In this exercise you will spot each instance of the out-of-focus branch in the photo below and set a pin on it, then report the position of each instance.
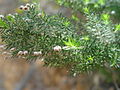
(23, 82)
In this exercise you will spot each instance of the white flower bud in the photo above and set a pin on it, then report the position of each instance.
(11, 15)
(39, 14)
(28, 5)
(42, 59)
(57, 48)
(112, 12)
(74, 74)
(4, 53)
(32, 6)
(28, 20)
(26, 8)
(16, 14)
(2, 46)
(21, 7)
(37, 53)
(12, 49)
(25, 52)
(20, 53)
(1, 16)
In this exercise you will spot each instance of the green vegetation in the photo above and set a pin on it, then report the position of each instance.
(81, 45)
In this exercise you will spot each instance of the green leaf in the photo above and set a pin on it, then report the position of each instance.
(117, 27)
(90, 58)
(86, 10)
(86, 1)
(113, 63)
(74, 18)
(10, 18)
(72, 42)
(3, 24)
(105, 17)
(101, 2)
(59, 2)
(66, 23)
(86, 38)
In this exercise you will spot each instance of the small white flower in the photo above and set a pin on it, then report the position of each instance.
(42, 59)
(20, 53)
(74, 74)
(4, 53)
(113, 12)
(57, 48)
(28, 5)
(26, 8)
(2, 46)
(37, 53)
(25, 52)
(16, 14)
(21, 7)
(1, 16)
(11, 15)
(32, 6)
(28, 20)
(39, 14)
(12, 49)
(23, 18)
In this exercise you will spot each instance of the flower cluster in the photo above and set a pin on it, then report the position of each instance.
(37, 53)
(27, 6)
(22, 52)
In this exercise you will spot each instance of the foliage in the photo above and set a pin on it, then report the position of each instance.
(97, 6)
(55, 38)
(33, 31)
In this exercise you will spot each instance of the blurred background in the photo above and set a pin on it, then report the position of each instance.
(18, 74)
